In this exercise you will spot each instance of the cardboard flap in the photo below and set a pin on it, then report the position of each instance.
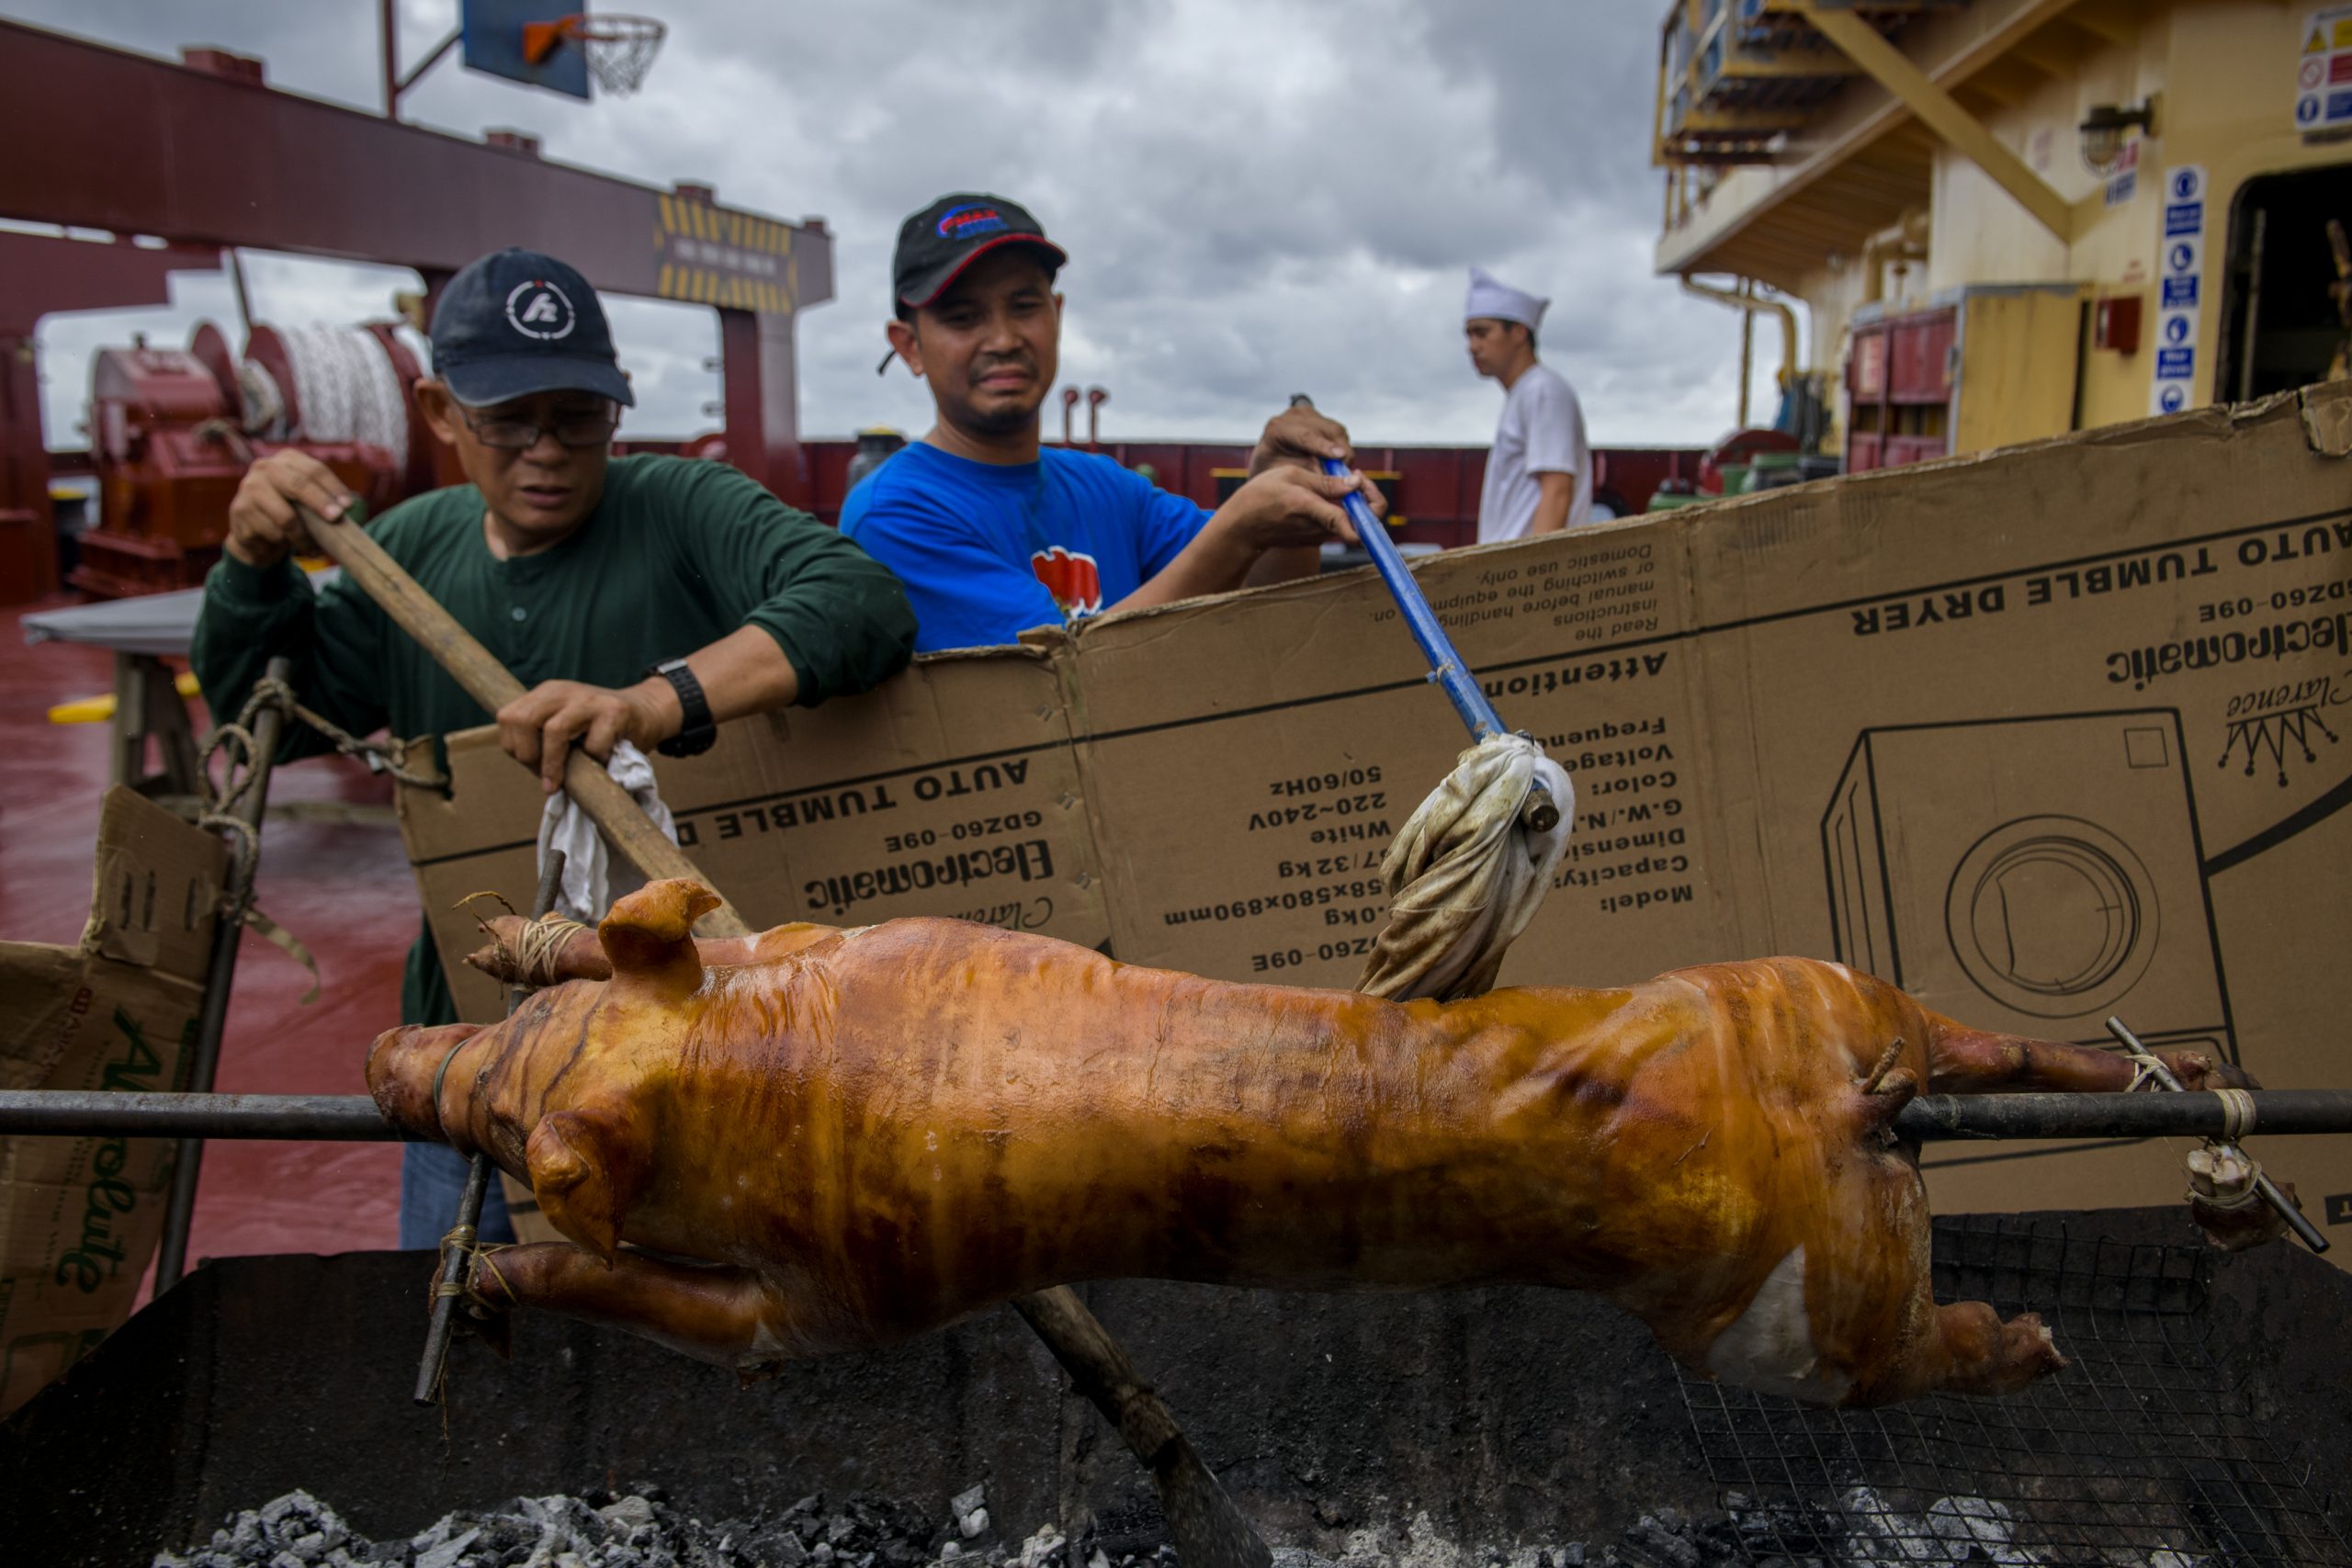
(2327, 418)
(157, 888)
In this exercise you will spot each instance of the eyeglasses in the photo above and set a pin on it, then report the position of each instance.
(569, 429)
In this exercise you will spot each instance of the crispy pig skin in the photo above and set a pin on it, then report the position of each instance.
(837, 1139)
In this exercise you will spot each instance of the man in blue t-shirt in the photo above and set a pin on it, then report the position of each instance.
(992, 532)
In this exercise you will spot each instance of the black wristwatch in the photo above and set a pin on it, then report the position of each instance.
(696, 732)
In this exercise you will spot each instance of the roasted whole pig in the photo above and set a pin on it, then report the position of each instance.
(821, 1139)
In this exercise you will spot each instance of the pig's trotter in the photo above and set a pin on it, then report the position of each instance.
(1988, 1356)
(713, 1313)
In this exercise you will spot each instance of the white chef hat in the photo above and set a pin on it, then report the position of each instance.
(1491, 296)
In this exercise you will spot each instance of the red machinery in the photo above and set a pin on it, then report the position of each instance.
(165, 474)
(203, 156)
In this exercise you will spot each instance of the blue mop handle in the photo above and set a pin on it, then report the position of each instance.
(1445, 665)
(1446, 668)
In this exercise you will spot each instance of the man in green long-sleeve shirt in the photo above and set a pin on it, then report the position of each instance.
(643, 598)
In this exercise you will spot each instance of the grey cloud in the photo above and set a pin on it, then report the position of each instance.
(1259, 195)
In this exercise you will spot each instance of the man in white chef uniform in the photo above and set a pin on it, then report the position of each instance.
(1539, 475)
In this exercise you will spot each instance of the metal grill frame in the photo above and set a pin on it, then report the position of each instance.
(2144, 1451)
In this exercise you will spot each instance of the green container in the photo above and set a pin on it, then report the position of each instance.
(1663, 501)
(1734, 478)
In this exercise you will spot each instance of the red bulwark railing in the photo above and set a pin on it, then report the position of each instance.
(1434, 489)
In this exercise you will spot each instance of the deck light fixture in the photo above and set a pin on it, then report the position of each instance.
(2104, 129)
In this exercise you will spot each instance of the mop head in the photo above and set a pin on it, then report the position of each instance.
(1466, 875)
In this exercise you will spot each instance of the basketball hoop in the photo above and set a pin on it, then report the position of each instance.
(621, 49)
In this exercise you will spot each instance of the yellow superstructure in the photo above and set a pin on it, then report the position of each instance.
(2032, 215)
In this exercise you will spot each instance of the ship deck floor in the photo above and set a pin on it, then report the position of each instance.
(343, 889)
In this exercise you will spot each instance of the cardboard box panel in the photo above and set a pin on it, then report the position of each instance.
(952, 791)
(79, 1217)
(1248, 760)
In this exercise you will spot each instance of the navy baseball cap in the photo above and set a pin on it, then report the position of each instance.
(937, 243)
(517, 322)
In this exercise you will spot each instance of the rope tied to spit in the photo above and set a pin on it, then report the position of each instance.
(535, 958)
(474, 1251)
(2221, 1176)
(1467, 872)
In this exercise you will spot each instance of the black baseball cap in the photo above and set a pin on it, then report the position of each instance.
(517, 322)
(937, 243)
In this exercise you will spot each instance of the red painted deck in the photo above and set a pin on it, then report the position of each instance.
(343, 889)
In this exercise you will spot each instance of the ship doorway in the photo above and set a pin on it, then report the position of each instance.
(2281, 327)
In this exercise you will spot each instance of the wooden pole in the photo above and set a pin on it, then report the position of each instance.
(490, 683)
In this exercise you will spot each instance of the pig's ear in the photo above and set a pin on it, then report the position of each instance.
(585, 1171)
(650, 935)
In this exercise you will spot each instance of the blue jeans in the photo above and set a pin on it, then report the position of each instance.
(432, 1179)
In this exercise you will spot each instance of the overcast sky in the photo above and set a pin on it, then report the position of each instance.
(1259, 196)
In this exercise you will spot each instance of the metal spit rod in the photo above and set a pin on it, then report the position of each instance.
(213, 1014)
(1931, 1118)
(456, 1256)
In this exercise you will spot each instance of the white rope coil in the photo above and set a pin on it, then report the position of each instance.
(346, 389)
(262, 414)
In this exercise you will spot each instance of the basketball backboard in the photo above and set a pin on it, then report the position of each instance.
(493, 43)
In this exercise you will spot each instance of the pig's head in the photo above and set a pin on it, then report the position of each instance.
(547, 1093)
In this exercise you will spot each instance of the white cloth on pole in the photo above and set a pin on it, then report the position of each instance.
(1467, 874)
(1493, 299)
(591, 879)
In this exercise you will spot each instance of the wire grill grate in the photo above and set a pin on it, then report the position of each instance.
(2144, 1453)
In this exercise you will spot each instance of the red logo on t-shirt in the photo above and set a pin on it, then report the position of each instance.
(1071, 578)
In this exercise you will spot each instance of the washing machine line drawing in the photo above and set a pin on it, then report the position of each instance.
(2031, 875)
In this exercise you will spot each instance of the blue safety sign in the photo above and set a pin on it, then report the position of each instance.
(2180, 266)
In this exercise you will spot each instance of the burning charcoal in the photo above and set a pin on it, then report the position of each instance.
(1980, 1522)
(447, 1553)
(1652, 1540)
(627, 1513)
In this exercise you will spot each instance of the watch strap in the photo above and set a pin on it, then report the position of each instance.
(696, 730)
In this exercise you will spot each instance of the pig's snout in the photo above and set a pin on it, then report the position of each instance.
(403, 1067)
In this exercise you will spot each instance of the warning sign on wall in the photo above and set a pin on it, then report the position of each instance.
(2324, 70)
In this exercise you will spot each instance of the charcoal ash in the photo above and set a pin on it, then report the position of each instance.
(638, 1527)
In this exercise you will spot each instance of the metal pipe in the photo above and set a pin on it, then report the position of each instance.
(1753, 302)
(1747, 347)
(299, 1118)
(1931, 1118)
(388, 27)
(456, 1256)
(1934, 1118)
(2253, 306)
(1906, 238)
(229, 928)
(431, 60)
